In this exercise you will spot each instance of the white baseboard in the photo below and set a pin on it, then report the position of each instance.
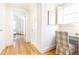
(43, 50)
(38, 48)
(1, 49)
(47, 49)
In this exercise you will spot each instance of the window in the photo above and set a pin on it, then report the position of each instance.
(71, 14)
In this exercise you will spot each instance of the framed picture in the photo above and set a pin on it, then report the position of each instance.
(52, 17)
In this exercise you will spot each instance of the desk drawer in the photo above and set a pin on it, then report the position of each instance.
(75, 40)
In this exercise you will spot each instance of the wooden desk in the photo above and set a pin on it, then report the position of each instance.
(75, 40)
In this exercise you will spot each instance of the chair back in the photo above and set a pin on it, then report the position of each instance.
(62, 43)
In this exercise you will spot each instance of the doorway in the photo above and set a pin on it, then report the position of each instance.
(19, 27)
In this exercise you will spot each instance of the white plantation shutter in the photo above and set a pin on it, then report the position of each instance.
(71, 14)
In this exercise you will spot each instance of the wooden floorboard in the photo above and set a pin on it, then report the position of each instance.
(51, 52)
(23, 48)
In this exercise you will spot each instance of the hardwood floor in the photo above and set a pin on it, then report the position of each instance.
(51, 52)
(23, 48)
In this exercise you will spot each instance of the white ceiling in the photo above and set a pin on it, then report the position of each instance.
(67, 4)
(27, 6)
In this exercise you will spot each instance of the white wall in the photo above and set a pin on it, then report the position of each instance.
(72, 29)
(5, 25)
(35, 26)
(66, 27)
(2, 26)
(42, 34)
(27, 26)
(48, 31)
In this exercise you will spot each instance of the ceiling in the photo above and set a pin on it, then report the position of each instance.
(30, 6)
(26, 6)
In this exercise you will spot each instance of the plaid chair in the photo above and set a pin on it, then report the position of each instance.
(62, 43)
